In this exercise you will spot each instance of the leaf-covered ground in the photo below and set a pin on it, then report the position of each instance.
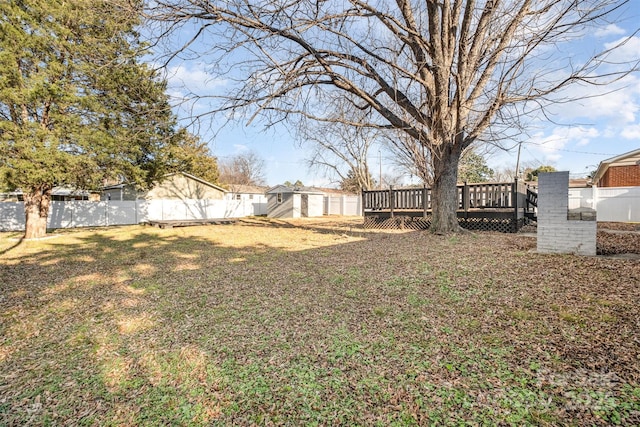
(313, 322)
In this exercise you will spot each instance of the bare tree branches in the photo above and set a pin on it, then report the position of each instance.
(340, 148)
(242, 169)
(446, 74)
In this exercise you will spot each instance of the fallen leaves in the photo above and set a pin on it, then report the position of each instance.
(316, 321)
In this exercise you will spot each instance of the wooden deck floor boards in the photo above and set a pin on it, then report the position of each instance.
(190, 222)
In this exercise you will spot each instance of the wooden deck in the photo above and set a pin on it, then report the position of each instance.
(485, 206)
(191, 222)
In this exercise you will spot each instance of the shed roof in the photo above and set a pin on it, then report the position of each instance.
(626, 159)
(247, 189)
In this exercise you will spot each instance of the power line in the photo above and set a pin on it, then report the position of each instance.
(575, 151)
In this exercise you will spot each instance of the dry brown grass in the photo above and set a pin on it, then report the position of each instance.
(313, 322)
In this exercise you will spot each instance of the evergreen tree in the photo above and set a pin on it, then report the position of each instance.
(532, 175)
(77, 106)
(194, 157)
(473, 168)
(353, 184)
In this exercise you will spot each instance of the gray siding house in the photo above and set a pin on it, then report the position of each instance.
(294, 202)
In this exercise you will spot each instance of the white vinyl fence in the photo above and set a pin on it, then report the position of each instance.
(106, 213)
(614, 204)
(343, 205)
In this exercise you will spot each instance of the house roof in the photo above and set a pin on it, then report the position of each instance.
(247, 189)
(579, 182)
(200, 180)
(57, 191)
(337, 191)
(113, 186)
(294, 190)
(626, 159)
(188, 175)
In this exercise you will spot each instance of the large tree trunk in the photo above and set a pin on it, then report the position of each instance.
(444, 193)
(36, 209)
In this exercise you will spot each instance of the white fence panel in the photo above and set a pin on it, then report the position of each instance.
(332, 205)
(165, 210)
(581, 198)
(125, 212)
(12, 216)
(77, 214)
(618, 204)
(353, 206)
(343, 205)
(244, 207)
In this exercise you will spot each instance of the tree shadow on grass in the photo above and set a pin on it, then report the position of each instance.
(12, 246)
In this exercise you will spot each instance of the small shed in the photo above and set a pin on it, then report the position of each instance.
(174, 186)
(294, 202)
(619, 171)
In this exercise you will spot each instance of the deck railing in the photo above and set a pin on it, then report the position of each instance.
(505, 195)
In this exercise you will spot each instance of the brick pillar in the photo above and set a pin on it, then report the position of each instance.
(561, 230)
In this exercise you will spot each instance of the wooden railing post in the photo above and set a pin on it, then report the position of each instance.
(425, 204)
(391, 200)
(465, 197)
(514, 202)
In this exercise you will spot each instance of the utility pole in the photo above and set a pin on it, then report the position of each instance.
(518, 160)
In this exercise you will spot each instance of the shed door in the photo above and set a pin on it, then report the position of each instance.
(304, 208)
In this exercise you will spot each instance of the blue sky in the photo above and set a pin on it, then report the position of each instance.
(582, 133)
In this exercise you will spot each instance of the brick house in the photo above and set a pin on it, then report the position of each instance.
(619, 171)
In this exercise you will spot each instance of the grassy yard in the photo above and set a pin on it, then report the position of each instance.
(313, 322)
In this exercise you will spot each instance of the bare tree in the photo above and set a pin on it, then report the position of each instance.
(242, 169)
(447, 73)
(411, 156)
(340, 149)
(504, 174)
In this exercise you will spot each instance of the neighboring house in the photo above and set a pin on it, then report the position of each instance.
(175, 186)
(253, 193)
(247, 200)
(119, 192)
(294, 202)
(619, 171)
(58, 194)
(579, 182)
(335, 192)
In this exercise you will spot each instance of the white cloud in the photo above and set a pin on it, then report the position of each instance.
(581, 135)
(192, 78)
(609, 30)
(617, 103)
(240, 148)
(626, 49)
(631, 132)
(551, 146)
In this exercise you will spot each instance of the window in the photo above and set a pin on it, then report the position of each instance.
(279, 198)
(250, 196)
(238, 196)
